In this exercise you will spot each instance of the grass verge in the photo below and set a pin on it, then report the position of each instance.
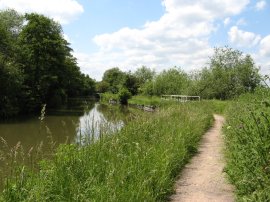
(247, 137)
(144, 100)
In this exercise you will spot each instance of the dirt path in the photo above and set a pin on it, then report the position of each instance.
(202, 179)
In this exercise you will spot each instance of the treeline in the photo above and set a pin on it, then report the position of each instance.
(228, 74)
(36, 65)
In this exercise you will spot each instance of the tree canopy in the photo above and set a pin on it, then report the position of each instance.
(36, 65)
(230, 73)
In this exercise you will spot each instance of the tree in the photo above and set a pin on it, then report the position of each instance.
(102, 87)
(10, 26)
(46, 59)
(144, 75)
(36, 65)
(89, 85)
(11, 77)
(172, 81)
(123, 96)
(230, 74)
(115, 78)
(12, 21)
(131, 83)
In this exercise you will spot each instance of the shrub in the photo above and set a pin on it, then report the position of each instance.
(123, 96)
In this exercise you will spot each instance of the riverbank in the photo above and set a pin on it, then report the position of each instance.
(138, 163)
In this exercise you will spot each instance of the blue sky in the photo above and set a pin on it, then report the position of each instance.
(157, 33)
(106, 16)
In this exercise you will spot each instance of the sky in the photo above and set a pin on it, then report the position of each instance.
(159, 34)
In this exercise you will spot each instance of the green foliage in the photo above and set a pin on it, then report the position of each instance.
(231, 73)
(43, 54)
(103, 86)
(10, 26)
(144, 75)
(247, 138)
(123, 96)
(106, 97)
(12, 21)
(36, 65)
(10, 88)
(145, 100)
(11, 76)
(219, 106)
(171, 82)
(131, 83)
(88, 86)
(148, 89)
(139, 163)
(115, 78)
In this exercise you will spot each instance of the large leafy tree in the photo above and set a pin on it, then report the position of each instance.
(131, 83)
(44, 51)
(172, 81)
(51, 72)
(115, 79)
(230, 74)
(36, 65)
(144, 77)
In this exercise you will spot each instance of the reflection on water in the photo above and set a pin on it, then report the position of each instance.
(77, 125)
(96, 122)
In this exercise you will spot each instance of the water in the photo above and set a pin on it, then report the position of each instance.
(78, 124)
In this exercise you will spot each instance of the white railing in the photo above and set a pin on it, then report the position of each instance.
(181, 98)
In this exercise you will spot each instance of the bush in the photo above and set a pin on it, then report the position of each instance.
(123, 96)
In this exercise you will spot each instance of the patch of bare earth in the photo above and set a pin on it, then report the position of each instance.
(203, 179)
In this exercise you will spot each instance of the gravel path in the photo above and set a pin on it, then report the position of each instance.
(202, 179)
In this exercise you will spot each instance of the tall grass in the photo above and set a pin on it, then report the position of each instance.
(247, 137)
(138, 163)
(144, 100)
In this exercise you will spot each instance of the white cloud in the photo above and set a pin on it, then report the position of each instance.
(241, 22)
(262, 57)
(242, 38)
(260, 5)
(63, 11)
(227, 21)
(265, 47)
(180, 37)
